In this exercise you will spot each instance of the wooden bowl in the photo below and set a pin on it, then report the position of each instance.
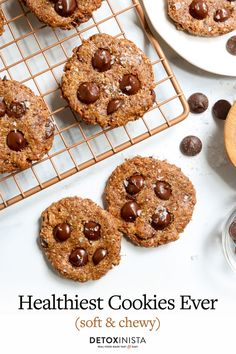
(230, 134)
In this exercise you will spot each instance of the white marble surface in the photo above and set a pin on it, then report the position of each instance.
(193, 265)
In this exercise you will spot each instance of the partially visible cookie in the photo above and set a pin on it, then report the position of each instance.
(26, 131)
(203, 17)
(108, 81)
(152, 199)
(80, 239)
(63, 13)
(1, 22)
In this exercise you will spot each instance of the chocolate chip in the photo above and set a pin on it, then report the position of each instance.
(65, 8)
(163, 190)
(78, 257)
(99, 255)
(3, 107)
(49, 128)
(102, 60)
(92, 230)
(130, 211)
(222, 15)
(198, 102)
(231, 45)
(221, 109)
(161, 219)
(232, 230)
(198, 9)
(134, 184)
(62, 232)
(114, 105)
(16, 109)
(153, 94)
(130, 84)
(191, 145)
(16, 140)
(88, 92)
(43, 243)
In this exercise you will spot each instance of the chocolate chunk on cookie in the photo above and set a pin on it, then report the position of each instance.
(203, 17)
(1, 22)
(80, 239)
(26, 131)
(108, 81)
(63, 13)
(152, 199)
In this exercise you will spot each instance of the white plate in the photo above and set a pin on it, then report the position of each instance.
(209, 54)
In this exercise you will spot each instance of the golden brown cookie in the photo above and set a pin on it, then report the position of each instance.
(108, 81)
(26, 131)
(152, 199)
(1, 22)
(203, 17)
(63, 13)
(80, 239)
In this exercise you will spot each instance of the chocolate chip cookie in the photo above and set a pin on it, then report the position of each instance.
(152, 199)
(108, 81)
(63, 13)
(26, 131)
(1, 22)
(80, 239)
(203, 17)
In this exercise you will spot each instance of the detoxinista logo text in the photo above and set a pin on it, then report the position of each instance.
(117, 342)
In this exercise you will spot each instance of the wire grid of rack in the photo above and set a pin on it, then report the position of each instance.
(35, 54)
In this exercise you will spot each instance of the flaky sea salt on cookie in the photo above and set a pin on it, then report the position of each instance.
(203, 17)
(26, 130)
(80, 239)
(152, 199)
(108, 81)
(63, 13)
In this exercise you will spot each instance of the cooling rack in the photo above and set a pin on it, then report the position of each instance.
(35, 54)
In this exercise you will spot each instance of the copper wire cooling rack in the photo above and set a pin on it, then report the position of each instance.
(35, 54)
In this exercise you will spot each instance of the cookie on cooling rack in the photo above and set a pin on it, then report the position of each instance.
(1, 22)
(80, 239)
(63, 13)
(152, 199)
(108, 81)
(26, 131)
(203, 17)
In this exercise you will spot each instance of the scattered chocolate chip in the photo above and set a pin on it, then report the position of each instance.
(198, 102)
(198, 9)
(49, 128)
(191, 145)
(134, 184)
(231, 45)
(102, 60)
(161, 219)
(65, 8)
(92, 230)
(130, 84)
(62, 232)
(222, 15)
(99, 255)
(232, 230)
(130, 211)
(3, 107)
(88, 92)
(163, 190)
(114, 105)
(16, 109)
(221, 109)
(78, 257)
(16, 140)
